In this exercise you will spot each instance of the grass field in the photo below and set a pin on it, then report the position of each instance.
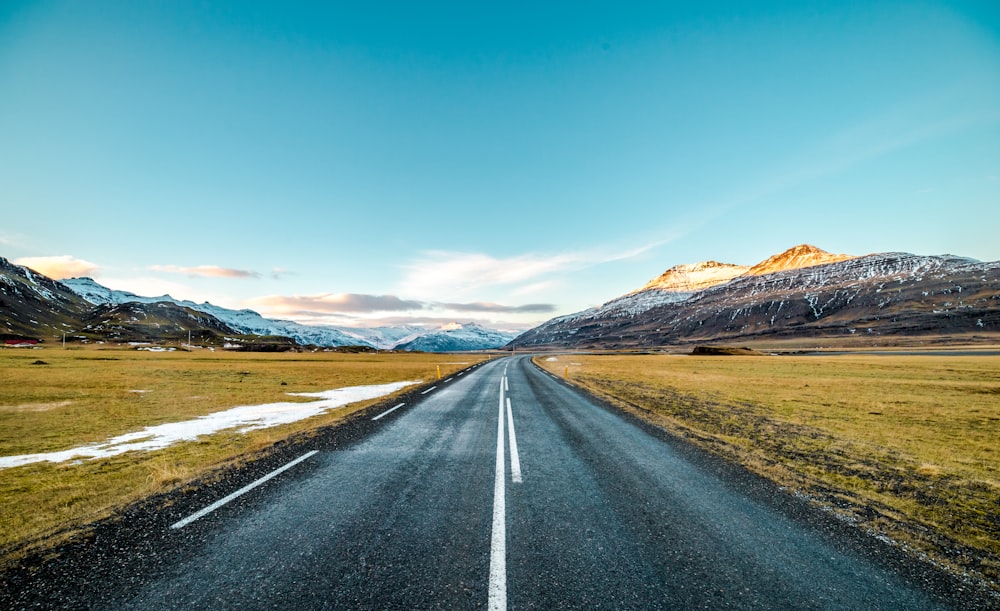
(55, 399)
(907, 446)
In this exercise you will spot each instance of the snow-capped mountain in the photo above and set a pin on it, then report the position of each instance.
(244, 321)
(801, 292)
(456, 337)
(385, 338)
(681, 282)
(467, 337)
(36, 308)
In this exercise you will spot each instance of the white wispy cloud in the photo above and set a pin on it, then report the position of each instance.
(206, 271)
(357, 310)
(59, 266)
(534, 287)
(444, 274)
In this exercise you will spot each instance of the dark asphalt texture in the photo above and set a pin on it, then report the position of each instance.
(396, 514)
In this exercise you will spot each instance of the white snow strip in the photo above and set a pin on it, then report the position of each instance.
(388, 411)
(245, 418)
(207, 510)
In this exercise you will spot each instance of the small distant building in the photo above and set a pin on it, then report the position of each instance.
(16, 343)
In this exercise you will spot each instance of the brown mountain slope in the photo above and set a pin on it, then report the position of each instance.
(797, 257)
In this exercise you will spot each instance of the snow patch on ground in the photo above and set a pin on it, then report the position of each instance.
(245, 418)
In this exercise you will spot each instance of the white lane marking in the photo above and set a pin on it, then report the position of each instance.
(515, 461)
(388, 411)
(207, 510)
(448, 380)
(498, 542)
(461, 374)
(506, 386)
(428, 390)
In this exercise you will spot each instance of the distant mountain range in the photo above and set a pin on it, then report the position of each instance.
(802, 292)
(33, 306)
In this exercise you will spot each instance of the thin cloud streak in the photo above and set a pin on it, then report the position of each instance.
(881, 135)
(59, 267)
(280, 274)
(353, 303)
(530, 308)
(415, 321)
(205, 271)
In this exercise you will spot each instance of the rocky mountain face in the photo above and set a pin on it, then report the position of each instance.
(803, 292)
(33, 305)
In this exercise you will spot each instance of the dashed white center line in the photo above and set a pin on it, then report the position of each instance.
(515, 461)
(428, 390)
(240, 492)
(448, 380)
(388, 411)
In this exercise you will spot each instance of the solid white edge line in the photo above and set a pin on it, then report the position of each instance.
(388, 411)
(207, 510)
(498, 541)
(428, 390)
(515, 460)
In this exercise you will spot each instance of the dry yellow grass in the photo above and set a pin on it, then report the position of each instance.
(83, 396)
(907, 445)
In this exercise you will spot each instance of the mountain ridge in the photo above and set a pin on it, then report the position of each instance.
(881, 294)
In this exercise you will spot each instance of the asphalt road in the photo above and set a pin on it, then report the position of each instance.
(439, 506)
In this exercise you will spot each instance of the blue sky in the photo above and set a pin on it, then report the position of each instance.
(366, 163)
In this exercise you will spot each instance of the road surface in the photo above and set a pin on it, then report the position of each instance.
(500, 488)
